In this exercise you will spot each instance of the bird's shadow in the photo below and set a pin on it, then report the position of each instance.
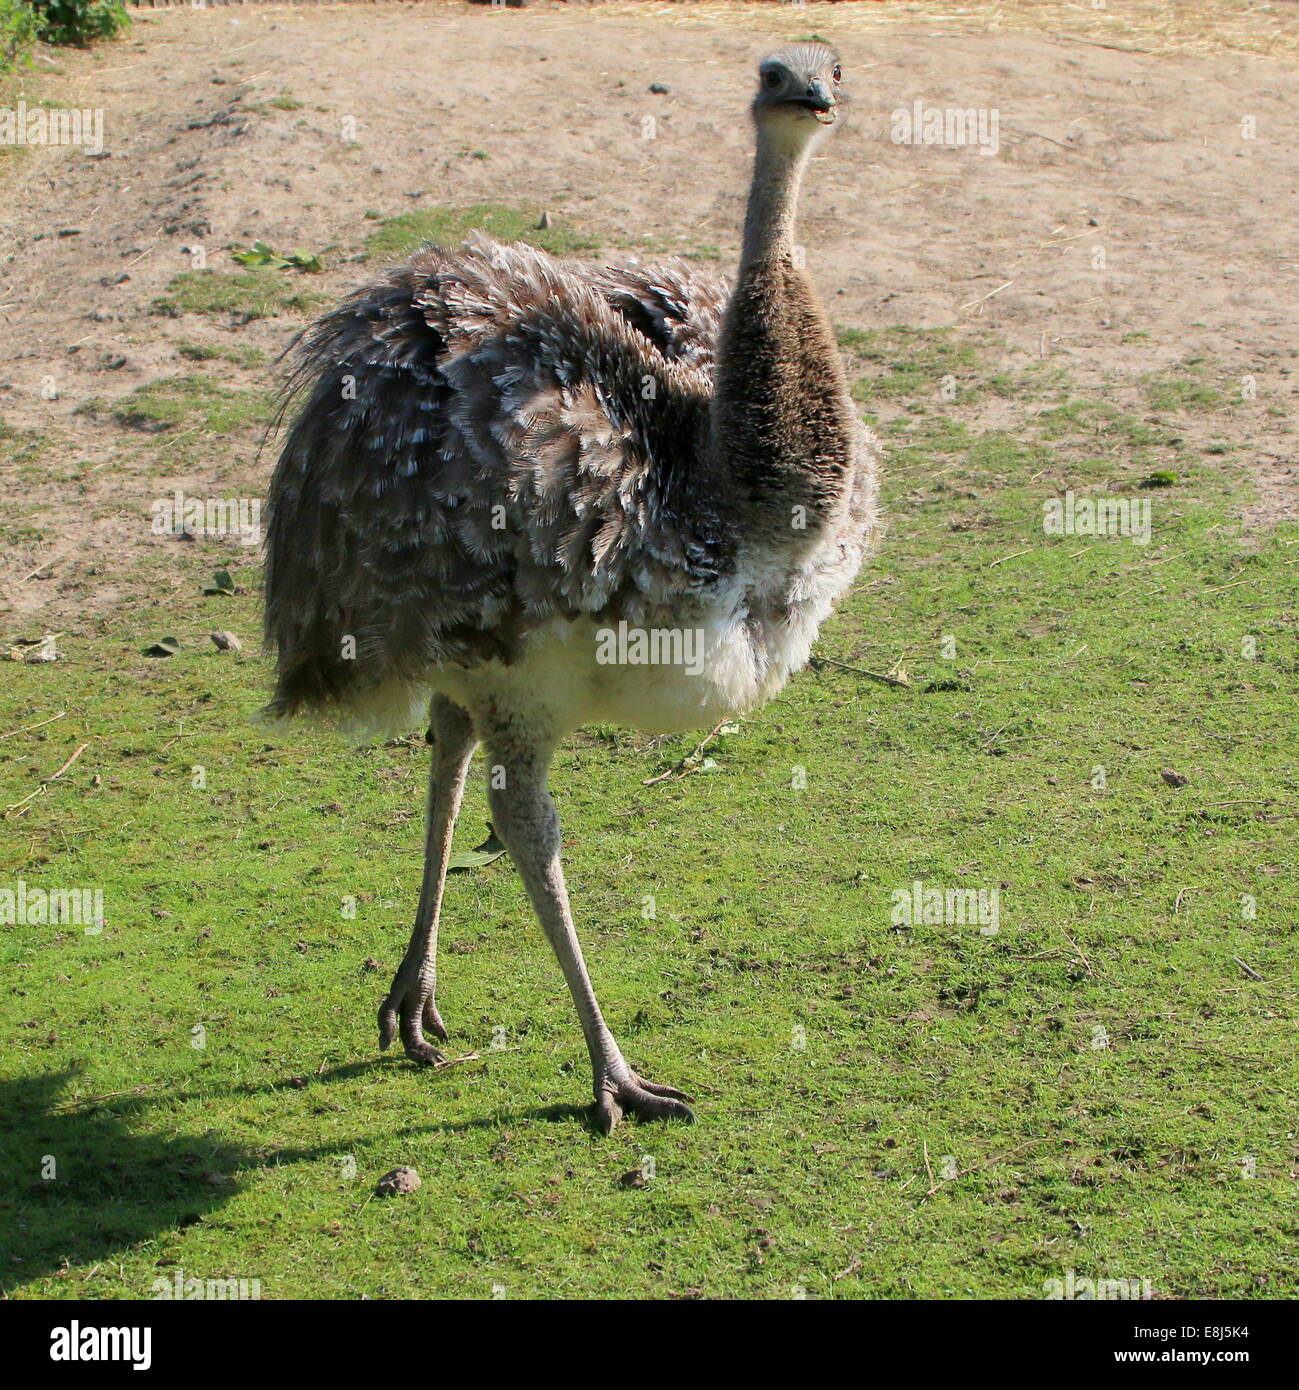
(350, 1071)
(83, 1180)
(554, 1114)
(80, 1184)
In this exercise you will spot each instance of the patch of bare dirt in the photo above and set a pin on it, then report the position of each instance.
(1138, 212)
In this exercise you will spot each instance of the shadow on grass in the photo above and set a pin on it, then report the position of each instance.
(554, 1114)
(350, 1071)
(79, 1185)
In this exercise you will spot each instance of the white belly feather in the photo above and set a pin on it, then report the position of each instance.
(659, 677)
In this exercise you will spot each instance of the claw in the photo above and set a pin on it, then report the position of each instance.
(407, 1012)
(633, 1095)
(433, 1021)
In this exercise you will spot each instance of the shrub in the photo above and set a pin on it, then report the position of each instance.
(79, 21)
(17, 32)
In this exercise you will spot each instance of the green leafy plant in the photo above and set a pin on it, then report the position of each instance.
(79, 22)
(220, 583)
(17, 33)
(261, 254)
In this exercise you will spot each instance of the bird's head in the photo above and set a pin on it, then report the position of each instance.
(798, 91)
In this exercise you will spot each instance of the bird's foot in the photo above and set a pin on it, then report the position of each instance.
(620, 1092)
(408, 1010)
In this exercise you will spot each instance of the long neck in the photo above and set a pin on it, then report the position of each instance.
(773, 199)
(783, 428)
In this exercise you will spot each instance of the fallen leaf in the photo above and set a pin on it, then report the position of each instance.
(469, 859)
(220, 583)
(262, 254)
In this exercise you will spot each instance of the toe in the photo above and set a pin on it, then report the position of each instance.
(387, 1025)
(607, 1111)
(423, 1052)
(655, 1089)
(649, 1106)
(433, 1021)
(646, 1100)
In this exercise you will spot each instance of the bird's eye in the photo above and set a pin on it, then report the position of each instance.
(838, 73)
(770, 79)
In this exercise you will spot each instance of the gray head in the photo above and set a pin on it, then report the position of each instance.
(798, 91)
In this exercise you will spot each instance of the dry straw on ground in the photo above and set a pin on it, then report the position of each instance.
(1158, 27)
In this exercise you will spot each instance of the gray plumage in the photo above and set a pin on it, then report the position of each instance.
(501, 458)
(492, 437)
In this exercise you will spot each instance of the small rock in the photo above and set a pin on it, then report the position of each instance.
(400, 1180)
(659, 89)
(226, 642)
(1173, 778)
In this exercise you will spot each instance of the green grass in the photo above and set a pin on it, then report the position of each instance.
(197, 400)
(912, 353)
(448, 226)
(397, 237)
(679, 245)
(242, 294)
(217, 352)
(1114, 1091)
(1183, 393)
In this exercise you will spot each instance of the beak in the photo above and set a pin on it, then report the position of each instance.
(819, 97)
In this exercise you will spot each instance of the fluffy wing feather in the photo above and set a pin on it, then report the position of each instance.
(674, 306)
(491, 438)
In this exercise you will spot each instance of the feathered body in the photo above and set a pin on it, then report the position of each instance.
(504, 455)
(509, 466)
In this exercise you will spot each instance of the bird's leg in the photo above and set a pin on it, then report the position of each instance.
(525, 818)
(410, 1005)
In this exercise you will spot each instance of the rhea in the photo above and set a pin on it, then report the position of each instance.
(502, 458)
